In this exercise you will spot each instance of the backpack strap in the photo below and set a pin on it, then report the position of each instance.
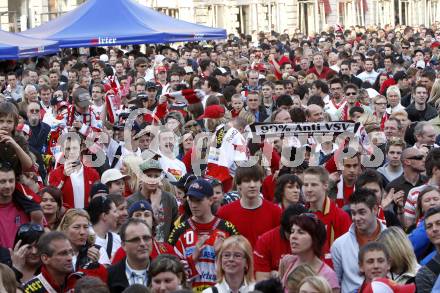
(214, 289)
(109, 244)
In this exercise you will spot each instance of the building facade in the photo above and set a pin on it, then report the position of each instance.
(247, 16)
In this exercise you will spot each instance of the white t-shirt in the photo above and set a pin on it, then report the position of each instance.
(173, 168)
(103, 243)
(77, 179)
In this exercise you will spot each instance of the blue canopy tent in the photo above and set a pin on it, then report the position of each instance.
(13, 46)
(119, 22)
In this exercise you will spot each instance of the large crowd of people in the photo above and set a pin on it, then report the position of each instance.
(273, 163)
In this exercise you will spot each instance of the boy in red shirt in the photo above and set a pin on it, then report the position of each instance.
(198, 239)
(336, 220)
(252, 215)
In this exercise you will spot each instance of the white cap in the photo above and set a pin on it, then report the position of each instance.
(111, 175)
(372, 93)
(103, 58)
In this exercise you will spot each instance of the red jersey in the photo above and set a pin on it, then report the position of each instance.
(251, 223)
(325, 73)
(184, 238)
(269, 250)
(336, 221)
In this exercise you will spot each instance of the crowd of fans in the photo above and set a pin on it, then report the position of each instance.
(129, 170)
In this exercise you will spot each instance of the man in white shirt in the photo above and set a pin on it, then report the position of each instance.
(369, 74)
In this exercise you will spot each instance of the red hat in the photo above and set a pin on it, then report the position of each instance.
(384, 285)
(435, 45)
(213, 112)
(260, 67)
(161, 69)
(23, 128)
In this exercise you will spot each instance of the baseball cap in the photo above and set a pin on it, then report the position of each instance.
(97, 188)
(150, 85)
(141, 205)
(260, 67)
(161, 69)
(59, 102)
(146, 130)
(81, 97)
(200, 188)
(184, 181)
(22, 127)
(213, 112)
(435, 45)
(103, 58)
(150, 165)
(111, 175)
(384, 285)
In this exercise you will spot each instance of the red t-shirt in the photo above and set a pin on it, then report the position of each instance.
(269, 250)
(325, 73)
(268, 188)
(336, 221)
(11, 219)
(251, 223)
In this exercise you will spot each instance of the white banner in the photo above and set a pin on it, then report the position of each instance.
(294, 129)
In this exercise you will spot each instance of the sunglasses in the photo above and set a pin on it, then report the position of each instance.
(25, 228)
(351, 94)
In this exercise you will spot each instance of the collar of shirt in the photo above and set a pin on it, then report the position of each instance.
(133, 275)
(224, 286)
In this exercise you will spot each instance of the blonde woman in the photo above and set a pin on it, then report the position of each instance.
(314, 284)
(76, 225)
(235, 267)
(130, 167)
(404, 264)
(434, 96)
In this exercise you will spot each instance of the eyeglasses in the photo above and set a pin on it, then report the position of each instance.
(145, 238)
(381, 104)
(405, 48)
(351, 94)
(29, 227)
(417, 158)
(235, 255)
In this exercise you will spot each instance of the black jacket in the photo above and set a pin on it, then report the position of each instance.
(117, 279)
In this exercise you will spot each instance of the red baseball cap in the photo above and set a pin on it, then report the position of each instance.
(260, 67)
(384, 285)
(161, 69)
(435, 45)
(213, 112)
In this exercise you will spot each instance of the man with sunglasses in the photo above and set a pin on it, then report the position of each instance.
(137, 241)
(432, 166)
(413, 165)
